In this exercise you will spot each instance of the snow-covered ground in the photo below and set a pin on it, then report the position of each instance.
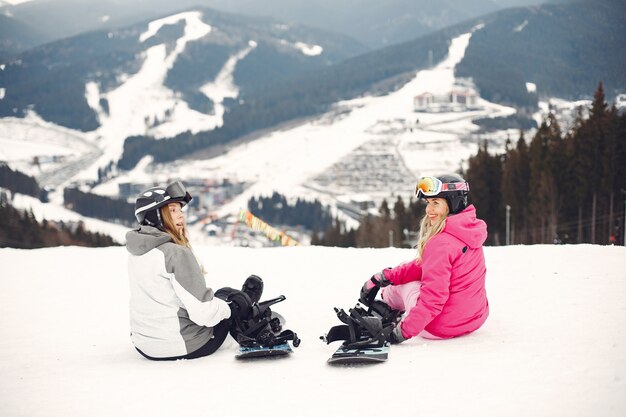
(554, 344)
(58, 149)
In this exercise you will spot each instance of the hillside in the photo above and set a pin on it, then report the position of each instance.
(563, 49)
(16, 36)
(55, 79)
(553, 345)
(376, 23)
(566, 47)
(373, 23)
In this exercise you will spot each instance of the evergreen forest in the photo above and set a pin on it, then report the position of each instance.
(20, 229)
(560, 187)
(98, 206)
(277, 210)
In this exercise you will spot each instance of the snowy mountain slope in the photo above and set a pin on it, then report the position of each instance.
(319, 158)
(554, 344)
(152, 78)
(291, 160)
(51, 153)
(189, 60)
(332, 157)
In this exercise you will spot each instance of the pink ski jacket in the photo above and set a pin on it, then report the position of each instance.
(452, 300)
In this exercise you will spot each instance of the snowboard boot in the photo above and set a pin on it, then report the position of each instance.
(364, 328)
(387, 314)
(253, 287)
(260, 328)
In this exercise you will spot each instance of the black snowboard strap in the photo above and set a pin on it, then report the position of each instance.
(340, 332)
(261, 329)
(361, 329)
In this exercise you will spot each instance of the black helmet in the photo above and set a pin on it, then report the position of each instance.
(149, 202)
(452, 187)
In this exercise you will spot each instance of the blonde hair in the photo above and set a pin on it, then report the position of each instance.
(170, 227)
(180, 239)
(427, 231)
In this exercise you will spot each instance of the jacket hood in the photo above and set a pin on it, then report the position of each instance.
(467, 228)
(144, 239)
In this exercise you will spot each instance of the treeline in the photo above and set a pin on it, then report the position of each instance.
(277, 210)
(514, 121)
(18, 182)
(20, 229)
(562, 187)
(395, 227)
(100, 207)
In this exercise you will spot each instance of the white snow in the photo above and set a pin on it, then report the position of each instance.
(554, 344)
(305, 48)
(23, 139)
(531, 87)
(142, 104)
(2, 93)
(92, 95)
(521, 26)
(565, 111)
(224, 86)
(195, 28)
(138, 175)
(308, 49)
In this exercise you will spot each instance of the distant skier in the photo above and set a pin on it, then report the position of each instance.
(173, 315)
(442, 291)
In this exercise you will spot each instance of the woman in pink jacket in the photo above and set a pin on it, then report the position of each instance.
(442, 291)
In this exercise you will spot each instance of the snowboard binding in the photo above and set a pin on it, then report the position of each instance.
(364, 328)
(262, 327)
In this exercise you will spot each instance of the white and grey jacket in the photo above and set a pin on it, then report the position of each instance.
(172, 312)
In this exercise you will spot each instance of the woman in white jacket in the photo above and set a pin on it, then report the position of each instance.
(173, 315)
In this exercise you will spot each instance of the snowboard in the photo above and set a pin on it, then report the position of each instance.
(251, 352)
(364, 355)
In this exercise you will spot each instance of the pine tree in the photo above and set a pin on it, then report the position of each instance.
(597, 146)
(401, 220)
(580, 162)
(544, 195)
(515, 189)
(484, 176)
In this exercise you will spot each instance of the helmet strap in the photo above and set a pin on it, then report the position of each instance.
(159, 224)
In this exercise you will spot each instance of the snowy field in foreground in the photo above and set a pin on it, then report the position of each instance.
(554, 345)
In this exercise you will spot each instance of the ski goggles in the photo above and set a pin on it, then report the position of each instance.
(177, 191)
(431, 186)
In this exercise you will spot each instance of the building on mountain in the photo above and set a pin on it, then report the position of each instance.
(457, 99)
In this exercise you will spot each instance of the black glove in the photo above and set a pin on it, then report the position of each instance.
(239, 302)
(396, 336)
(376, 282)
